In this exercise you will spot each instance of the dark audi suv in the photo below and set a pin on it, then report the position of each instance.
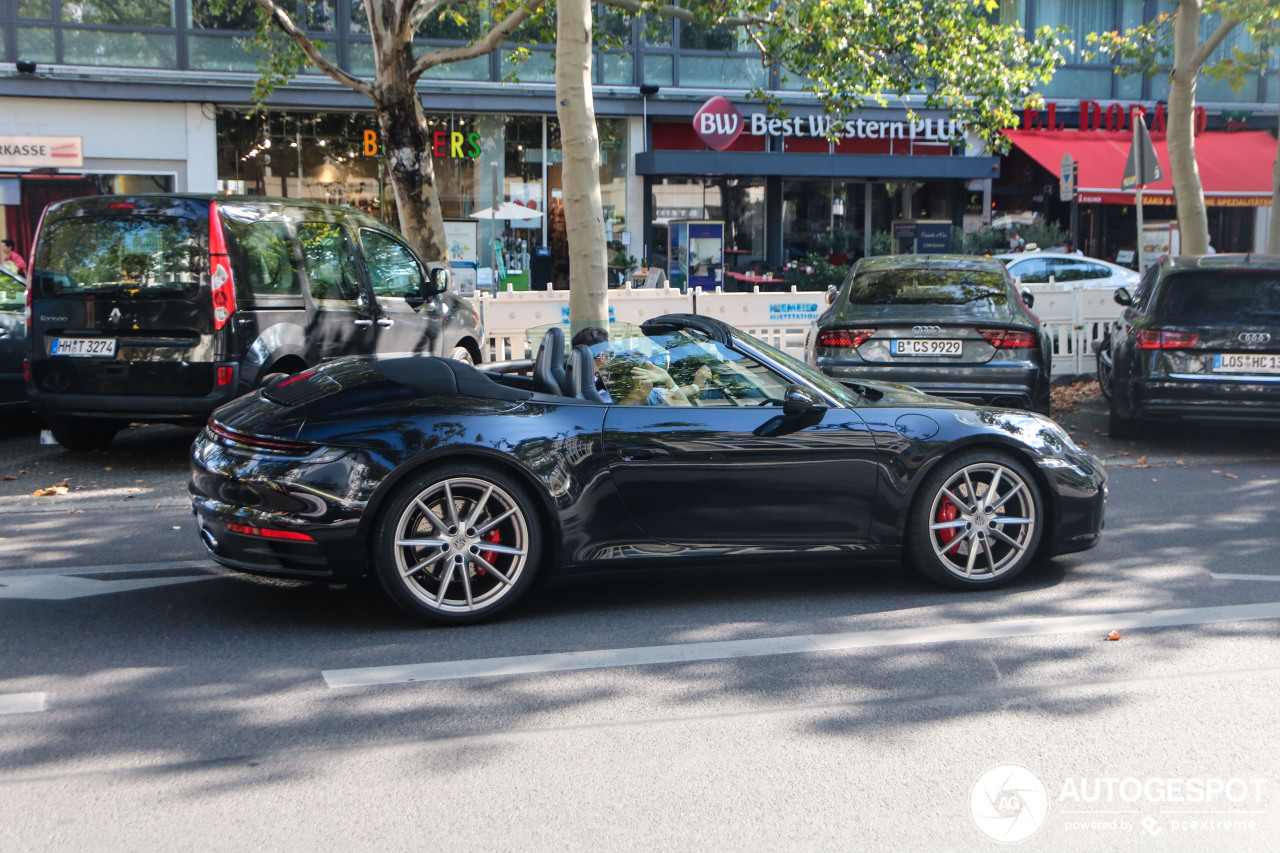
(950, 325)
(164, 307)
(1199, 341)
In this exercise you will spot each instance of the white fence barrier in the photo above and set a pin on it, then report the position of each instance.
(1073, 314)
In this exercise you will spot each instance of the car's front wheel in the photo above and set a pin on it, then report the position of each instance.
(976, 522)
(457, 545)
(462, 354)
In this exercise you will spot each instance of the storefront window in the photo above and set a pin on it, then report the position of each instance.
(727, 72)
(737, 202)
(101, 47)
(141, 13)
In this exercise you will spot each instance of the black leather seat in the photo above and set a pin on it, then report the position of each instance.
(548, 367)
(581, 375)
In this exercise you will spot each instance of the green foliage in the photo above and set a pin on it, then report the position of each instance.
(824, 275)
(984, 241)
(1045, 234)
(881, 243)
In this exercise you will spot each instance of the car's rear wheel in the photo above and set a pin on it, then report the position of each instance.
(1105, 368)
(83, 433)
(1120, 427)
(463, 354)
(458, 544)
(976, 522)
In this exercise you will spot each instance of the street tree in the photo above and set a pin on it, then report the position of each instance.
(1175, 41)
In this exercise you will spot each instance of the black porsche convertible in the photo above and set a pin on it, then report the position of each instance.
(670, 444)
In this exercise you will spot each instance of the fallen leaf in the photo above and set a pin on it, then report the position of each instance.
(177, 527)
(1083, 443)
(1066, 398)
(1124, 453)
(1215, 471)
(51, 490)
(10, 477)
(139, 481)
(22, 472)
(1231, 476)
(1142, 462)
(107, 468)
(1180, 462)
(1154, 480)
(1097, 432)
(1114, 635)
(157, 506)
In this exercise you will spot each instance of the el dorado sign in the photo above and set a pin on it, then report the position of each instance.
(719, 124)
(40, 152)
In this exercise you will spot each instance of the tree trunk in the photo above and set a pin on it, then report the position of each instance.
(580, 141)
(408, 154)
(1193, 221)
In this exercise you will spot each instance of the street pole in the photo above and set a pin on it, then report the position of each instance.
(1075, 206)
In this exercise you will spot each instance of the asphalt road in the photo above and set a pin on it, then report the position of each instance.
(151, 701)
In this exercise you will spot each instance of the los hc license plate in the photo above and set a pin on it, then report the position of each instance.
(917, 346)
(84, 347)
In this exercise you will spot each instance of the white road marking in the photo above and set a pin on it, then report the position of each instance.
(21, 703)
(693, 652)
(1229, 577)
(64, 587)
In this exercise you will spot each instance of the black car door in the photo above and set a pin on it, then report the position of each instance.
(734, 470)
(342, 311)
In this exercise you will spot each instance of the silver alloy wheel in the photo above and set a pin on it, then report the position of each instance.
(461, 545)
(982, 521)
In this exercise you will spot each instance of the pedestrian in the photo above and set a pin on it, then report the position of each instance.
(10, 260)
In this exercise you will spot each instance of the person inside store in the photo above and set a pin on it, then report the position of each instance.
(10, 260)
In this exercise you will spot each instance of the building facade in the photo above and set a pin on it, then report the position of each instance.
(158, 94)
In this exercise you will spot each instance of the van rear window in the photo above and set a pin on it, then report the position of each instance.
(154, 255)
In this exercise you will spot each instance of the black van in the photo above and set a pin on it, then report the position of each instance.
(160, 308)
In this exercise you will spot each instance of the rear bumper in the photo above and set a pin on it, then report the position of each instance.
(1207, 399)
(135, 407)
(1019, 385)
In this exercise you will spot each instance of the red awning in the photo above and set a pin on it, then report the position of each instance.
(1235, 168)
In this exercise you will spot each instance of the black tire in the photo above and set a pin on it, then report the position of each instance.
(1120, 427)
(456, 543)
(972, 544)
(82, 434)
(463, 354)
(1105, 368)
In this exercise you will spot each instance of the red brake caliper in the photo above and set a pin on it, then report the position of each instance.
(489, 556)
(947, 512)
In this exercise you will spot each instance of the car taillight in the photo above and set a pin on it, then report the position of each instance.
(224, 288)
(847, 338)
(1165, 339)
(255, 442)
(268, 533)
(225, 376)
(1003, 339)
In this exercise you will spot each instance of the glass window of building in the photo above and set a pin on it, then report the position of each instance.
(737, 202)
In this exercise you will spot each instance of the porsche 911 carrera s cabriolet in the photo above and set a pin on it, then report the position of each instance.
(673, 444)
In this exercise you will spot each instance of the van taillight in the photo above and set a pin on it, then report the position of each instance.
(27, 310)
(226, 375)
(224, 288)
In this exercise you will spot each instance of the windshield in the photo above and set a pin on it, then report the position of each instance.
(809, 374)
(153, 255)
(1233, 298)
(941, 294)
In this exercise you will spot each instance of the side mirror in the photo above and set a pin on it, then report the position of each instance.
(1123, 297)
(799, 400)
(831, 295)
(438, 282)
(1028, 298)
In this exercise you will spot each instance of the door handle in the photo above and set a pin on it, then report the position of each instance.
(363, 323)
(386, 322)
(642, 453)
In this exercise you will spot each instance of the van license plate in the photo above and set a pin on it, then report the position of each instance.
(84, 347)
(913, 346)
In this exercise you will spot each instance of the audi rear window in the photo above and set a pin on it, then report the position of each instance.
(1232, 298)
(946, 294)
(142, 255)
